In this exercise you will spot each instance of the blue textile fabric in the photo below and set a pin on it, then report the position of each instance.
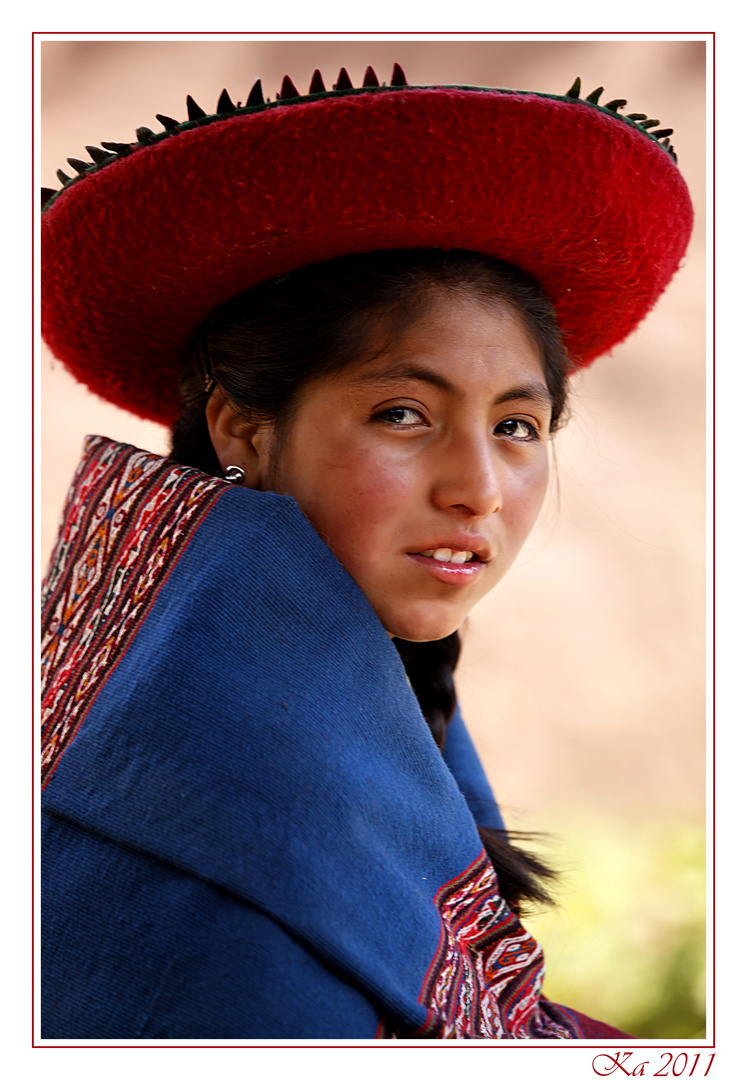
(461, 757)
(246, 835)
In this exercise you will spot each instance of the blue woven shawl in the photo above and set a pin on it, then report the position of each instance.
(249, 832)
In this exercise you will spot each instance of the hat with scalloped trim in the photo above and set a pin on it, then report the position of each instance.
(148, 237)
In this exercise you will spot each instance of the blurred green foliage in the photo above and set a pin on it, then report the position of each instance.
(626, 943)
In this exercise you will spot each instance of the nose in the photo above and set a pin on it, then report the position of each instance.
(468, 477)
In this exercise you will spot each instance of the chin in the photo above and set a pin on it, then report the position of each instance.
(422, 626)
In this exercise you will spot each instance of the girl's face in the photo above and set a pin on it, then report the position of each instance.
(423, 469)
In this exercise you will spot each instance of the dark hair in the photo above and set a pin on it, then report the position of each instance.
(263, 346)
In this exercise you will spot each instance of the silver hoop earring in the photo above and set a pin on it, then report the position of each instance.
(235, 475)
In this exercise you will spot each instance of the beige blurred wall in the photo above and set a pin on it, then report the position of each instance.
(583, 676)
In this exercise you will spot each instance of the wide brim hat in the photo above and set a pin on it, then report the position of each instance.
(146, 238)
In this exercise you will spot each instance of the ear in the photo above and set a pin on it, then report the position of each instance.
(237, 441)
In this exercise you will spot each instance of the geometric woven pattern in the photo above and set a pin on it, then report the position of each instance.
(485, 979)
(109, 541)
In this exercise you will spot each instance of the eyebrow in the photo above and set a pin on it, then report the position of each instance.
(529, 391)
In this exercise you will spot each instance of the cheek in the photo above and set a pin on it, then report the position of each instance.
(524, 498)
(351, 495)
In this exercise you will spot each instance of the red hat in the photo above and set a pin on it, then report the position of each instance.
(147, 238)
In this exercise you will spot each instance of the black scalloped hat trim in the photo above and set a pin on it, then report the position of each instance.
(109, 152)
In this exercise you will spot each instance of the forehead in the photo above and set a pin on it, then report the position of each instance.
(457, 337)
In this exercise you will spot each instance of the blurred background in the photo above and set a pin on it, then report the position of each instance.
(583, 678)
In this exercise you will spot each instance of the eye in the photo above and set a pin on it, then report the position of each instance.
(400, 416)
(521, 430)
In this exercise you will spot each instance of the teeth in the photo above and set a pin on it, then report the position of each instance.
(461, 556)
(448, 555)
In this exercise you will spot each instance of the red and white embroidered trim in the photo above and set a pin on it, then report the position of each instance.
(129, 516)
(485, 980)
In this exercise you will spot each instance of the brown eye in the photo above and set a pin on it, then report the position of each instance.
(399, 416)
(521, 430)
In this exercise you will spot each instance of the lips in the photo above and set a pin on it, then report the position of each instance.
(457, 560)
(448, 572)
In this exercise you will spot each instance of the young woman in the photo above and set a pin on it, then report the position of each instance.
(263, 816)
